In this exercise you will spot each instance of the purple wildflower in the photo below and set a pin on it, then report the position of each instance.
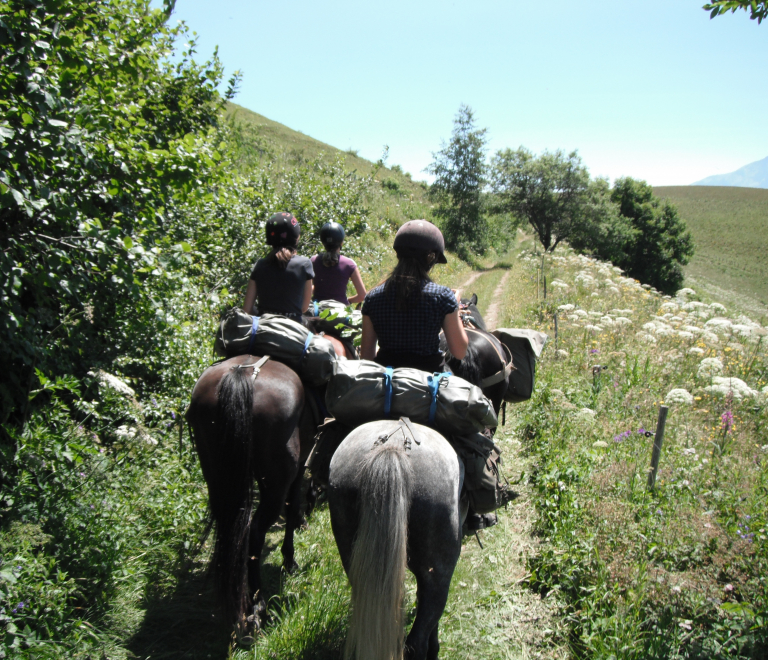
(594, 350)
(173, 415)
(641, 430)
(727, 420)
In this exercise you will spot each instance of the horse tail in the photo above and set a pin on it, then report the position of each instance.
(379, 555)
(231, 493)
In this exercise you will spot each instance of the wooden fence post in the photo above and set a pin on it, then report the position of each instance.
(657, 440)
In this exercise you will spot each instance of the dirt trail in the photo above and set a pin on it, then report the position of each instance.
(492, 315)
(469, 282)
(521, 623)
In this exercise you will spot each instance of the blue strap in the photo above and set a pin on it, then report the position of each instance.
(254, 328)
(306, 343)
(434, 385)
(316, 307)
(387, 391)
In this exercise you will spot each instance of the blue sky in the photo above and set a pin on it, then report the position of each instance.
(653, 90)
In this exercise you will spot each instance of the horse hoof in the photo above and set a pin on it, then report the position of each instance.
(290, 567)
(304, 524)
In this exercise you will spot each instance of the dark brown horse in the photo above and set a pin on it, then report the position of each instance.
(487, 363)
(250, 424)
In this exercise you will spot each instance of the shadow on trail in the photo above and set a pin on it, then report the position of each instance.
(188, 623)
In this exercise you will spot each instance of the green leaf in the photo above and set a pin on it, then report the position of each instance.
(128, 242)
(224, 292)
(186, 246)
(26, 118)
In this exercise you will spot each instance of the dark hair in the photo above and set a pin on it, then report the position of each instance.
(331, 257)
(280, 256)
(407, 279)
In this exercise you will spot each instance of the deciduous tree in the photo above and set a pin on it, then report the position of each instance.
(550, 191)
(661, 244)
(459, 170)
(758, 9)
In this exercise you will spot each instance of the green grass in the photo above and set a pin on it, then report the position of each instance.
(730, 231)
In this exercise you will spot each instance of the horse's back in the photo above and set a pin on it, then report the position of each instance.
(275, 386)
(434, 513)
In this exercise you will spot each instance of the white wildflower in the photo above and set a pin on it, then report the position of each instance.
(710, 337)
(682, 293)
(557, 284)
(722, 386)
(618, 270)
(613, 290)
(566, 308)
(112, 382)
(593, 328)
(695, 350)
(718, 308)
(622, 320)
(644, 336)
(585, 414)
(719, 325)
(689, 451)
(710, 367)
(573, 317)
(581, 313)
(685, 335)
(678, 396)
(562, 353)
(693, 328)
(606, 320)
(669, 307)
(742, 330)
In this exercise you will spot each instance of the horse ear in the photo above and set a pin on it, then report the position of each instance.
(473, 299)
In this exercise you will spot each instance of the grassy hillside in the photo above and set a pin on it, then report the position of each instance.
(290, 147)
(730, 229)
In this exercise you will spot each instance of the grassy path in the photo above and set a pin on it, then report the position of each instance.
(490, 613)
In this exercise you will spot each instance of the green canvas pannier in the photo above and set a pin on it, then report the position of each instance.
(525, 346)
(309, 355)
(362, 391)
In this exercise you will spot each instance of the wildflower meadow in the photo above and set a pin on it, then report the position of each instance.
(679, 570)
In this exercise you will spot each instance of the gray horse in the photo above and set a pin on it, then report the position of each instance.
(394, 502)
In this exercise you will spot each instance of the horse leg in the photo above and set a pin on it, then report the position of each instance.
(270, 506)
(431, 595)
(293, 520)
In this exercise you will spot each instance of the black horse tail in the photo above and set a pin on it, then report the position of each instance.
(469, 368)
(231, 492)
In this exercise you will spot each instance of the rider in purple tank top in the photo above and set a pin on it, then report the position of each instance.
(333, 271)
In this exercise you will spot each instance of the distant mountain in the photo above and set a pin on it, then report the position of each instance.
(754, 175)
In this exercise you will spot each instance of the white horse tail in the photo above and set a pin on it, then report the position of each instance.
(379, 555)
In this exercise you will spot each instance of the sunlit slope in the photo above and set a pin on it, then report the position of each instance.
(296, 147)
(730, 229)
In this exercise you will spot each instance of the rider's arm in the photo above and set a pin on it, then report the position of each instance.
(455, 335)
(307, 295)
(250, 297)
(357, 282)
(368, 340)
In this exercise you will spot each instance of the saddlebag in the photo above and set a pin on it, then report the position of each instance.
(362, 391)
(309, 355)
(525, 346)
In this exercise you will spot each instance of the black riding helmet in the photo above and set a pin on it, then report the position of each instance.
(331, 235)
(417, 237)
(283, 230)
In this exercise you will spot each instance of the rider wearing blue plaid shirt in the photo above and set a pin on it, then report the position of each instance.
(406, 313)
